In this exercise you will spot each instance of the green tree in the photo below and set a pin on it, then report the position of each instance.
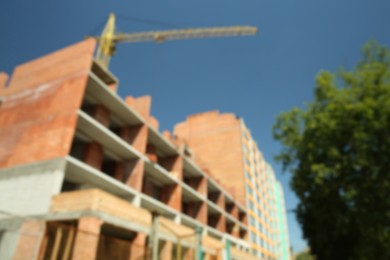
(338, 151)
(304, 256)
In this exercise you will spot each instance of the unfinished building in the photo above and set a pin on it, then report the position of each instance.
(85, 174)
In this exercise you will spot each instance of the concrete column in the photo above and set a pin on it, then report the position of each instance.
(94, 155)
(31, 237)
(87, 238)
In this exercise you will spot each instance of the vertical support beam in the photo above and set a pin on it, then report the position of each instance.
(68, 244)
(30, 241)
(199, 250)
(57, 242)
(153, 238)
(87, 238)
(94, 155)
(228, 250)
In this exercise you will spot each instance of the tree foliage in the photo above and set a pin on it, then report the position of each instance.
(338, 151)
(304, 256)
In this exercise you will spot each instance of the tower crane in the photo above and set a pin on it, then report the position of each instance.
(109, 37)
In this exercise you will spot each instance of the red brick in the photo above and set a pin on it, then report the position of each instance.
(3, 79)
(197, 210)
(41, 104)
(216, 140)
(198, 183)
(218, 198)
(102, 115)
(141, 105)
(134, 173)
(136, 136)
(138, 247)
(94, 155)
(166, 250)
(87, 238)
(171, 195)
(30, 240)
(151, 152)
(61, 65)
(153, 122)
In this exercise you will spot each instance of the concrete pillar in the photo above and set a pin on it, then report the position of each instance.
(138, 247)
(94, 155)
(31, 237)
(87, 238)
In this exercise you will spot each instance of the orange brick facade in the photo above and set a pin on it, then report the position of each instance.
(216, 141)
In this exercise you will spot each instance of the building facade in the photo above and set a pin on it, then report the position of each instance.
(225, 145)
(283, 244)
(85, 174)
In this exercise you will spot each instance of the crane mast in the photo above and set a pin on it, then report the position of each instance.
(109, 38)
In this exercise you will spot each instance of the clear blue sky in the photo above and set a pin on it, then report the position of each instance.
(254, 77)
